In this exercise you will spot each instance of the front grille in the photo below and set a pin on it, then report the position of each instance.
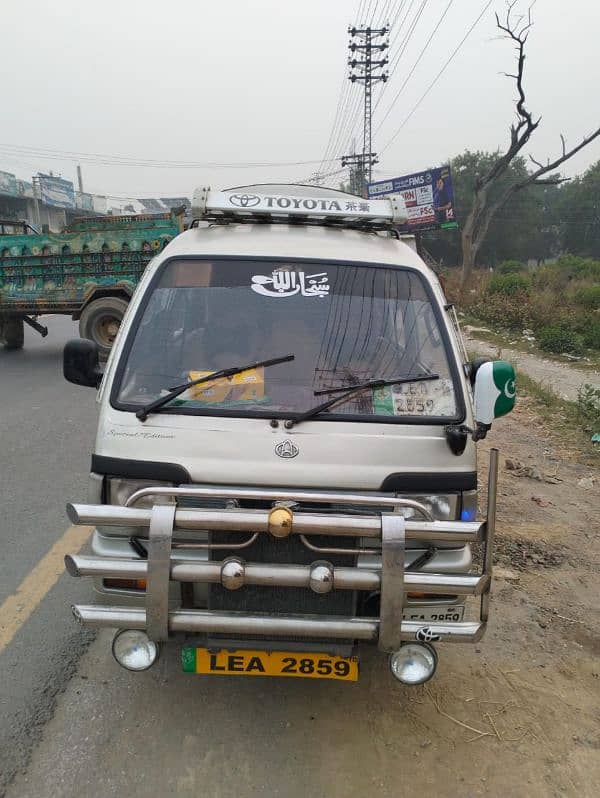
(291, 551)
(255, 599)
(281, 600)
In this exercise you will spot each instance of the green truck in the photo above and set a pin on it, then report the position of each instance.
(88, 271)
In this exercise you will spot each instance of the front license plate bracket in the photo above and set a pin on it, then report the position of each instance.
(243, 662)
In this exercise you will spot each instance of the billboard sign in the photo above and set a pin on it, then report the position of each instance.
(428, 196)
(8, 184)
(56, 191)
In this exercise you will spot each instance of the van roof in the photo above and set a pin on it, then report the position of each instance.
(298, 205)
(294, 241)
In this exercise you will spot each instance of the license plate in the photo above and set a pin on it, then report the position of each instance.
(269, 663)
(432, 613)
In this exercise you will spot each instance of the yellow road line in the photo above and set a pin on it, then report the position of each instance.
(18, 607)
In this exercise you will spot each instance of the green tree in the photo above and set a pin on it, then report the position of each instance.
(580, 214)
(525, 227)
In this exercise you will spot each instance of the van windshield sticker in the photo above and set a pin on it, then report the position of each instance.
(284, 283)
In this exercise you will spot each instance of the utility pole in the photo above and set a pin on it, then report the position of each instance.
(79, 179)
(365, 43)
(358, 177)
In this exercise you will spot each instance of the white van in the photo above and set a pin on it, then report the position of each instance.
(285, 465)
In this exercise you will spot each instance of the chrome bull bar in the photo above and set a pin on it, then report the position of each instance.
(169, 527)
(280, 625)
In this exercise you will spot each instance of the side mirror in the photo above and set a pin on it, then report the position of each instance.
(494, 394)
(473, 366)
(81, 362)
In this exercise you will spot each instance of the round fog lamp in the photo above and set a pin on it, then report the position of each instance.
(413, 663)
(134, 650)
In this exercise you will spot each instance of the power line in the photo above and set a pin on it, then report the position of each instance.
(341, 109)
(404, 18)
(374, 12)
(350, 117)
(395, 59)
(347, 119)
(118, 160)
(352, 129)
(408, 34)
(438, 76)
(397, 13)
(408, 77)
(354, 118)
(336, 119)
(385, 11)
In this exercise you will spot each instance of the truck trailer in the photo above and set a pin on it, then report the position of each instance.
(89, 271)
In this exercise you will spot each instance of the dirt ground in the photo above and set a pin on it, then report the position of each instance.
(516, 715)
(524, 718)
(562, 378)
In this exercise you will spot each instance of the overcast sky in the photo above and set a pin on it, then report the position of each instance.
(244, 82)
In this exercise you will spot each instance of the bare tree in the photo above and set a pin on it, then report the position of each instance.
(484, 209)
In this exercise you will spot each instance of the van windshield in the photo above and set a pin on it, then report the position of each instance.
(345, 324)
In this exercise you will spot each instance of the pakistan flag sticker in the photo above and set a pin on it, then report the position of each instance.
(504, 380)
(495, 392)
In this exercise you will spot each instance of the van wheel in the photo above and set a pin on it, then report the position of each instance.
(12, 332)
(100, 322)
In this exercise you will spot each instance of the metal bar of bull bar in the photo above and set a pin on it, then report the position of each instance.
(164, 521)
(281, 575)
(257, 521)
(160, 536)
(280, 625)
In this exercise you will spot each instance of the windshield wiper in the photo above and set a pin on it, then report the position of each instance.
(350, 390)
(155, 405)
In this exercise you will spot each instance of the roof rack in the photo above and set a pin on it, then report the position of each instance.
(349, 212)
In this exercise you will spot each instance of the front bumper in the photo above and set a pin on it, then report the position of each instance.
(169, 528)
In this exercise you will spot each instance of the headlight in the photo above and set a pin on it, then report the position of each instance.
(133, 650)
(119, 490)
(442, 508)
(413, 663)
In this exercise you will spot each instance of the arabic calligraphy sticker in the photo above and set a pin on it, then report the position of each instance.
(284, 283)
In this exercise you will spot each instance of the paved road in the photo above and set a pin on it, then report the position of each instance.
(46, 433)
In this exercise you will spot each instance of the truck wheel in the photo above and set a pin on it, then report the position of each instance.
(12, 332)
(100, 322)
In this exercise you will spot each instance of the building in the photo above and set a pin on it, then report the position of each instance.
(47, 202)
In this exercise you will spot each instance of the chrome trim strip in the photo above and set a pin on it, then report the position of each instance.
(284, 625)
